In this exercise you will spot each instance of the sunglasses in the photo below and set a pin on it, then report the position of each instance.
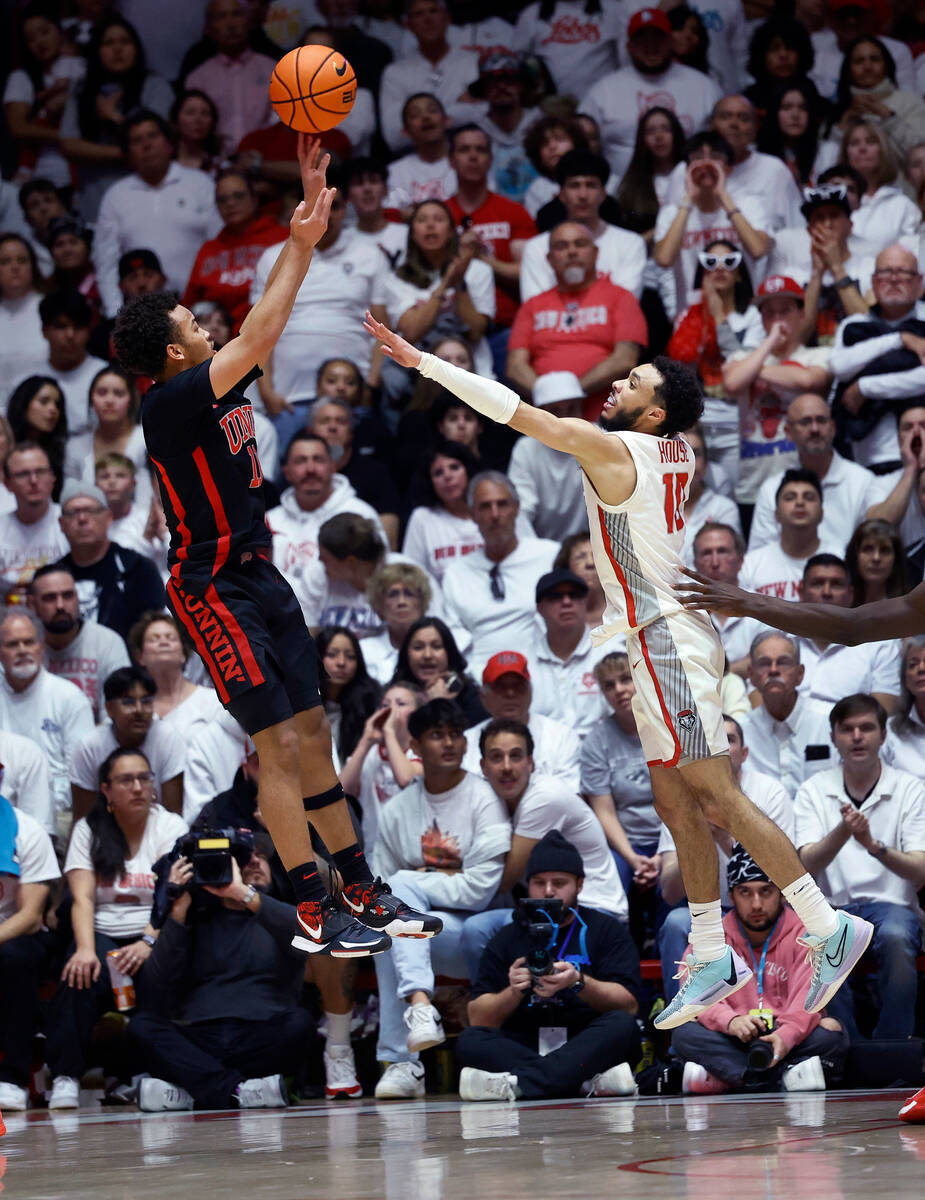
(728, 262)
(825, 194)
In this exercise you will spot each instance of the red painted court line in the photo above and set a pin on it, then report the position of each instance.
(640, 1165)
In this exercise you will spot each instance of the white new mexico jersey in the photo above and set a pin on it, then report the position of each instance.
(637, 544)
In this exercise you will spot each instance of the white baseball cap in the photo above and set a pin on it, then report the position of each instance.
(555, 386)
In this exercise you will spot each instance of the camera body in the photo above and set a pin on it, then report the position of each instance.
(540, 920)
(211, 850)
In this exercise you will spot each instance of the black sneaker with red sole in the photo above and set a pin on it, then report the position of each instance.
(374, 905)
(323, 927)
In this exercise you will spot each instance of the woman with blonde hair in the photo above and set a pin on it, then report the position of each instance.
(885, 213)
(400, 594)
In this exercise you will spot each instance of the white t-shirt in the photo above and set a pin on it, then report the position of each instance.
(839, 671)
(23, 349)
(466, 827)
(621, 257)
(774, 573)
(547, 804)
(35, 855)
(737, 634)
(411, 180)
(764, 447)
(904, 747)
(434, 538)
(57, 715)
(391, 240)
(885, 217)
(163, 747)
(24, 778)
(548, 484)
(89, 660)
(295, 529)
(79, 463)
(122, 908)
(613, 761)
(377, 786)
(399, 296)
(50, 163)
(701, 229)
(619, 99)
(556, 753)
(762, 178)
(710, 507)
(327, 318)
(193, 714)
(482, 625)
(212, 761)
(575, 45)
(567, 690)
(447, 80)
(895, 811)
(25, 548)
(848, 491)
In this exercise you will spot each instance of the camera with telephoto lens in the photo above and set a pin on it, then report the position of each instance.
(540, 920)
(211, 850)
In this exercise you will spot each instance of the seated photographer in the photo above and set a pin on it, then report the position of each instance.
(27, 867)
(537, 803)
(236, 808)
(553, 1006)
(222, 1018)
(761, 1038)
(441, 843)
(110, 873)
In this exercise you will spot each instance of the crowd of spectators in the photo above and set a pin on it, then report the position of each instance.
(546, 193)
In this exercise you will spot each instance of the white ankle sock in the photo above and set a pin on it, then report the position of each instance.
(811, 906)
(708, 938)
(339, 1028)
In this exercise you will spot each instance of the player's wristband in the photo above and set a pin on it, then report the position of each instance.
(487, 396)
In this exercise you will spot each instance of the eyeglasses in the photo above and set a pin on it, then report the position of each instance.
(826, 193)
(497, 583)
(132, 702)
(142, 777)
(37, 473)
(728, 262)
(74, 514)
(902, 273)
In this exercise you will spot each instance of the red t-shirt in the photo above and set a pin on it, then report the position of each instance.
(574, 331)
(225, 265)
(279, 143)
(498, 222)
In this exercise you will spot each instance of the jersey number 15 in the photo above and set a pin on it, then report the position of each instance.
(674, 500)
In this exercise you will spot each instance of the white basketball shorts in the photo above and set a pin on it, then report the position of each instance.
(677, 664)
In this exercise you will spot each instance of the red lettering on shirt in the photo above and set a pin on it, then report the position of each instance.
(238, 426)
(570, 31)
(672, 452)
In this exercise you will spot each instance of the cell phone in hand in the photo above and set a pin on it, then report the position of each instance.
(453, 683)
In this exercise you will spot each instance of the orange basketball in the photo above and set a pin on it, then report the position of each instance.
(312, 88)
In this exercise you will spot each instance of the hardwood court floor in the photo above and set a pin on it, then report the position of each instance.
(819, 1147)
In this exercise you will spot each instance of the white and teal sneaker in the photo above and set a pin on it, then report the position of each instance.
(833, 958)
(703, 983)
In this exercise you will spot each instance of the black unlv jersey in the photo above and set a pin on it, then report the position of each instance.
(205, 457)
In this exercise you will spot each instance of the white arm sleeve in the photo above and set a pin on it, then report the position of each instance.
(487, 396)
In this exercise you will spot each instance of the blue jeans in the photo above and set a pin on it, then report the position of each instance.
(477, 932)
(896, 941)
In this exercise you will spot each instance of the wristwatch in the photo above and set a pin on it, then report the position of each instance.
(148, 939)
(579, 985)
(248, 899)
(845, 281)
(879, 851)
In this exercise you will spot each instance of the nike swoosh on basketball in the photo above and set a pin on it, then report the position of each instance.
(835, 960)
(341, 70)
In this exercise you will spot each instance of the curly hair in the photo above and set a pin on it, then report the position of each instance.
(680, 394)
(143, 331)
(792, 33)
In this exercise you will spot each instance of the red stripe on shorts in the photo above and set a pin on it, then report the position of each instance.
(176, 594)
(180, 514)
(236, 633)
(659, 762)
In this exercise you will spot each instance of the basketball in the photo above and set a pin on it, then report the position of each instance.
(312, 88)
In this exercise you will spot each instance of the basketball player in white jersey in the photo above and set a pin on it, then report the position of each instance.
(636, 480)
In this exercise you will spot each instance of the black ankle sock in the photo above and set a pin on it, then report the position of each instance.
(352, 864)
(306, 883)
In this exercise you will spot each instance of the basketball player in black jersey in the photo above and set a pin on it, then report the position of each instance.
(240, 613)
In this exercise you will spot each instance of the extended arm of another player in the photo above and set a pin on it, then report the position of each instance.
(494, 400)
(902, 616)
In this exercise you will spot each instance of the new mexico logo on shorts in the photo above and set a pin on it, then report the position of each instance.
(686, 719)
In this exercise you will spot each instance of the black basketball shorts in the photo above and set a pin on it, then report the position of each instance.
(249, 631)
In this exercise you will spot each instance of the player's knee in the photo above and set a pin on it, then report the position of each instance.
(283, 749)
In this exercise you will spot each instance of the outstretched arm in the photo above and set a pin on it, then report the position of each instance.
(586, 442)
(267, 319)
(883, 620)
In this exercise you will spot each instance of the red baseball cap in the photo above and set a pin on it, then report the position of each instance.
(779, 285)
(648, 18)
(507, 662)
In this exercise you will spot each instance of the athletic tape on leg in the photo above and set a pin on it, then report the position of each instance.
(323, 799)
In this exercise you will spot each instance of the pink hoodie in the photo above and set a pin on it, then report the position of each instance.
(786, 981)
